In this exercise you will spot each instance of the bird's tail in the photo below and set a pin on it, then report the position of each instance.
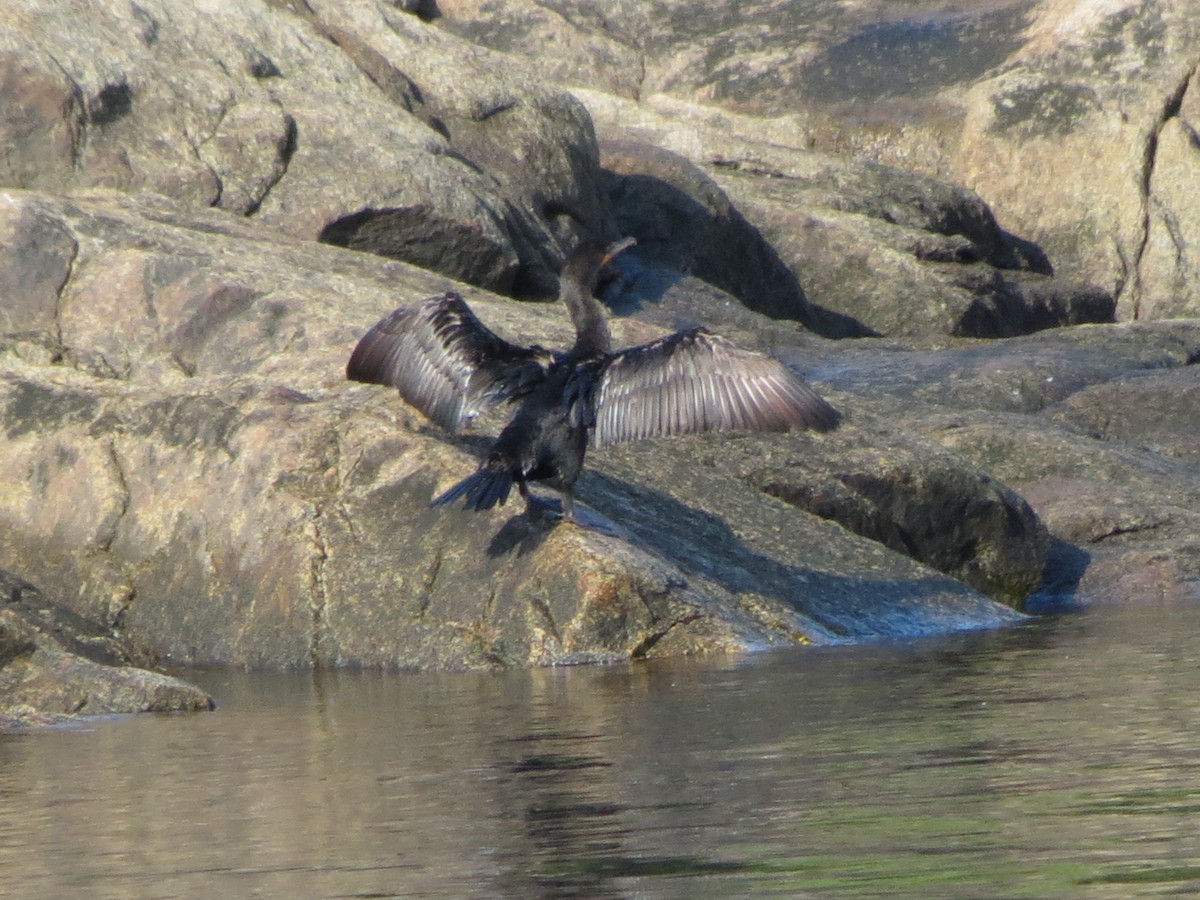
(483, 490)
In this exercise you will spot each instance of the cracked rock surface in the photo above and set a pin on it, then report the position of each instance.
(193, 470)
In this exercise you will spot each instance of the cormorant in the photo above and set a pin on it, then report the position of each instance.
(451, 367)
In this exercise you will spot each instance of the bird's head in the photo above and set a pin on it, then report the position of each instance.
(585, 262)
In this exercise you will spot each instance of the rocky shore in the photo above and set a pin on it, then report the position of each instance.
(991, 272)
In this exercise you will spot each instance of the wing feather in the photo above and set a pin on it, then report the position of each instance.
(697, 381)
(444, 361)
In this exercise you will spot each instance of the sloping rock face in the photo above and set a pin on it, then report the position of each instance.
(56, 666)
(1107, 87)
(194, 468)
(854, 247)
(1094, 427)
(1075, 121)
(462, 160)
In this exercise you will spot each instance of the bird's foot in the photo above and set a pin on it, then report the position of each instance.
(540, 509)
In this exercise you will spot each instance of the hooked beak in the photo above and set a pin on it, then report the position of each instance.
(614, 249)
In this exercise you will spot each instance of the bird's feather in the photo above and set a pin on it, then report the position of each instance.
(694, 381)
(444, 361)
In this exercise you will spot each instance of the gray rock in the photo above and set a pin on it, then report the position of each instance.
(1075, 121)
(56, 666)
(183, 459)
(1094, 428)
(1123, 515)
(846, 248)
(1154, 409)
(685, 222)
(1067, 138)
(894, 489)
(354, 123)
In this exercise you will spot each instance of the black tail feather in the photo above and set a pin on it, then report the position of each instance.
(483, 490)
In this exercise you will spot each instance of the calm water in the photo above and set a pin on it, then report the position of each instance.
(1060, 759)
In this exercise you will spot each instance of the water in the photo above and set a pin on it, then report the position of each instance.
(1059, 759)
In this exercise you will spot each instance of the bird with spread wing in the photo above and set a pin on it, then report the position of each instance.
(451, 367)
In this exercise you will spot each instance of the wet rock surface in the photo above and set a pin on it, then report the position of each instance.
(56, 666)
(183, 465)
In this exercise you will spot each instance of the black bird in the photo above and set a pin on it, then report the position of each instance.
(450, 366)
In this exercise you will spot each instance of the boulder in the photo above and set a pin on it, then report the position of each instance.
(472, 166)
(1151, 409)
(895, 489)
(684, 222)
(1067, 140)
(1122, 515)
(192, 469)
(1094, 427)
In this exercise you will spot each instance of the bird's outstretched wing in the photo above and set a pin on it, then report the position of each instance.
(697, 381)
(444, 361)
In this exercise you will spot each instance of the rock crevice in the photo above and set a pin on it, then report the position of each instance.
(1171, 108)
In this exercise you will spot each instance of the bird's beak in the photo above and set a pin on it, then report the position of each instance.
(614, 249)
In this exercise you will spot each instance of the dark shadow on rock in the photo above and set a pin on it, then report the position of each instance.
(111, 103)
(683, 221)
(425, 10)
(1059, 590)
(1022, 253)
(947, 523)
(521, 535)
(76, 634)
(641, 289)
(655, 294)
(1009, 304)
(55, 666)
(833, 324)
(421, 236)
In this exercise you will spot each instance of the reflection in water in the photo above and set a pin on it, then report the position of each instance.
(1059, 759)
(553, 789)
(574, 832)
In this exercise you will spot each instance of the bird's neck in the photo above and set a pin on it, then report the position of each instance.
(591, 328)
